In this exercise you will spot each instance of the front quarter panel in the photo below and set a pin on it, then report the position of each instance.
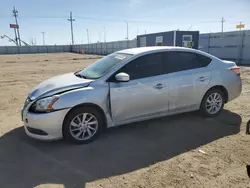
(94, 94)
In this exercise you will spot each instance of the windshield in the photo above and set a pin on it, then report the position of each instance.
(102, 66)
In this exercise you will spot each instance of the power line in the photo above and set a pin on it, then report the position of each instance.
(71, 26)
(91, 18)
(103, 19)
(202, 22)
(43, 17)
(113, 20)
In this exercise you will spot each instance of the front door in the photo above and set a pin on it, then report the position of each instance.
(144, 95)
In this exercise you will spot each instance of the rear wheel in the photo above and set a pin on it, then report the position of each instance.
(83, 125)
(212, 103)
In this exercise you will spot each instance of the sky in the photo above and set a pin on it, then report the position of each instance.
(142, 16)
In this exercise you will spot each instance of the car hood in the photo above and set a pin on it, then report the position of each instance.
(58, 84)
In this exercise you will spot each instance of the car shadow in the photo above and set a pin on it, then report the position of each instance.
(25, 162)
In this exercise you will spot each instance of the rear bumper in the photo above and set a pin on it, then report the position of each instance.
(234, 89)
(36, 125)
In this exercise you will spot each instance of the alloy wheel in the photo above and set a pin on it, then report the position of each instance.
(83, 126)
(214, 103)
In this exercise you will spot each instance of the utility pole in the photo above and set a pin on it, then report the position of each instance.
(222, 24)
(127, 30)
(87, 35)
(127, 34)
(15, 14)
(71, 24)
(104, 34)
(43, 37)
(16, 39)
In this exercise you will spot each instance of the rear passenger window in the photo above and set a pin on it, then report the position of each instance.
(203, 60)
(180, 61)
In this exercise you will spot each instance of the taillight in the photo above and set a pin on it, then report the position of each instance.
(236, 70)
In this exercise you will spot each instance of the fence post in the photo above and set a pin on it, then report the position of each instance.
(101, 48)
(208, 49)
(104, 44)
(105, 48)
(96, 48)
(241, 46)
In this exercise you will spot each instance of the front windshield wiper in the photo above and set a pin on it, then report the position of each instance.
(80, 76)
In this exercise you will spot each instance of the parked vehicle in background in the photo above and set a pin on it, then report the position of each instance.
(128, 86)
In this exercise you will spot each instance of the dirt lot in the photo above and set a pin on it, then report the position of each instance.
(157, 153)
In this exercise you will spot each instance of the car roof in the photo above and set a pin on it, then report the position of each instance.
(135, 51)
(145, 50)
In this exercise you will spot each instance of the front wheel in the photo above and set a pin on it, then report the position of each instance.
(212, 103)
(83, 125)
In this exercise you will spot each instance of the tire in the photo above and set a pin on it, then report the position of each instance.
(248, 127)
(72, 125)
(206, 107)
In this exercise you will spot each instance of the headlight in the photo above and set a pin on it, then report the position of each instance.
(45, 104)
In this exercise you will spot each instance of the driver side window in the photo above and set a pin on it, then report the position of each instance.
(144, 66)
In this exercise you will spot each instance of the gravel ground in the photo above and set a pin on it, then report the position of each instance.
(176, 151)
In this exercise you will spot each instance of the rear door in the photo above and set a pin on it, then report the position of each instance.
(188, 78)
(144, 94)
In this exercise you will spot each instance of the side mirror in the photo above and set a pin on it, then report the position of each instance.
(122, 77)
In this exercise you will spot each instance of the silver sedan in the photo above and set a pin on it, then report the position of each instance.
(128, 86)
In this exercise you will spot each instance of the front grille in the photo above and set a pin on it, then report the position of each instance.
(37, 131)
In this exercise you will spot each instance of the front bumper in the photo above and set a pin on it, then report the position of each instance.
(50, 123)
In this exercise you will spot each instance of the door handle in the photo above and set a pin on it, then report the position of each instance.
(201, 79)
(158, 86)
